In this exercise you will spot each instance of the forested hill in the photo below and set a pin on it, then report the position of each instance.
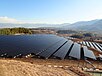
(12, 31)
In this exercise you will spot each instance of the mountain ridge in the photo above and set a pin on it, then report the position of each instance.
(93, 25)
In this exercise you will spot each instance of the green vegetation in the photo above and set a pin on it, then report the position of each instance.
(82, 35)
(77, 36)
(66, 32)
(11, 31)
(88, 34)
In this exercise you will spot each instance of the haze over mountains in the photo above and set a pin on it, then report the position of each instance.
(26, 25)
(93, 25)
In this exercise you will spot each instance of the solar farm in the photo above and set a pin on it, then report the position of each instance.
(46, 47)
(51, 52)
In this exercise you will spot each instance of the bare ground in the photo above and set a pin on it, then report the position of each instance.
(9, 67)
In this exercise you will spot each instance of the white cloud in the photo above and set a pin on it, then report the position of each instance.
(7, 20)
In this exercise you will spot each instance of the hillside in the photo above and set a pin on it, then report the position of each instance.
(94, 25)
(12, 31)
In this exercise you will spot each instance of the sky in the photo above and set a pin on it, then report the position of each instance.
(49, 11)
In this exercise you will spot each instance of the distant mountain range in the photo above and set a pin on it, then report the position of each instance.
(93, 25)
(27, 25)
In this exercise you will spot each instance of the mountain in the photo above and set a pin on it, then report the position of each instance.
(94, 25)
(26, 25)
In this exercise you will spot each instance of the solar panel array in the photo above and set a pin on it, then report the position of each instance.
(75, 52)
(62, 52)
(88, 53)
(93, 45)
(42, 45)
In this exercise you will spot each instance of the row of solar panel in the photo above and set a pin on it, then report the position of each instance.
(63, 51)
(92, 45)
(70, 38)
(74, 51)
(42, 45)
(25, 44)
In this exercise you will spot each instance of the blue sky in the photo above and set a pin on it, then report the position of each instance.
(49, 11)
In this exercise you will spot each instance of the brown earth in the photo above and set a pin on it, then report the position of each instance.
(19, 68)
(42, 67)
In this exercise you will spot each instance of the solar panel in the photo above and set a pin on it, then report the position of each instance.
(87, 44)
(48, 52)
(75, 51)
(91, 45)
(96, 46)
(63, 50)
(99, 46)
(88, 53)
(25, 44)
(81, 42)
(42, 45)
(84, 43)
